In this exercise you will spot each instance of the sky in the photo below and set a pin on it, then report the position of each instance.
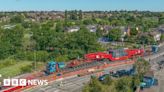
(85, 5)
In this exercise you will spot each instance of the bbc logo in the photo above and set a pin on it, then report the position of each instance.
(14, 82)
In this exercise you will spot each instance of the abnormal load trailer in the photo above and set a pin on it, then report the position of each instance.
(115, 55)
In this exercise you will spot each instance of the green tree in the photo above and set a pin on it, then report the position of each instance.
(87, 21)
(44, 38)
(83, 40)
(80, 15)
(142, 66)
(11, 41)
(59, 27)
(41, 56)
(17, 19)
(108, 81)
(99, 32)
(146, 39)
(161, 20)
(96, 86)
(135, 82)
(114, 34)
(134, 31)
(124, 85)
(162, 37)
(86, 88)
(66, 15)
(73, 15)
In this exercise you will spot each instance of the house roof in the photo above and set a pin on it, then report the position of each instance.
(154, 33)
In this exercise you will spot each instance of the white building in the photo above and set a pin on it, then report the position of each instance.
(92, 28)
(8, 26)
(73, 29)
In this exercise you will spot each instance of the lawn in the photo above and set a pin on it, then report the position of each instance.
(13, 70)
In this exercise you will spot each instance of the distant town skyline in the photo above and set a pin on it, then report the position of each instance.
(85, 5)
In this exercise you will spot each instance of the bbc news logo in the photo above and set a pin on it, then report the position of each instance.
(24, 82)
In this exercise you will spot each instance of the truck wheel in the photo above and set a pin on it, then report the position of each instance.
(105, 60)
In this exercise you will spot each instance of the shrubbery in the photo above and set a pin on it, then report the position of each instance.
(26, 69)
(33, 55)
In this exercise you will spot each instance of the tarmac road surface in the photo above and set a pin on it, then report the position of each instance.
(74, 84)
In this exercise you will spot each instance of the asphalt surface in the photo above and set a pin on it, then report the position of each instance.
(76, 84)
(159, 72)
(160, 76)
(68, 85)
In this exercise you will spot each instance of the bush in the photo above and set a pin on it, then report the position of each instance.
(41, 56)
(33, 56)
(26, 69)
(62, 58)
(73, 54)
(7, 62)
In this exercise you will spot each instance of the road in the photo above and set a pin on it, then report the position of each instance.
(156, 55)
(159, 74)
(76, 84)
(68, 85)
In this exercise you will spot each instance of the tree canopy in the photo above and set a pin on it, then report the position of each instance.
(114, 34)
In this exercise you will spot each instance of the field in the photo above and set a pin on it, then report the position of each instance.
(14, 69)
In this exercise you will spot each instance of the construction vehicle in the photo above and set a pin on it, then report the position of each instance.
(148, 82)
(53, 66)
(115, 55)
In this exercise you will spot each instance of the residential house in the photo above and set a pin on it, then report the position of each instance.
(125, 31)
(92, 28)
(156, 35)
(73, 29)
(8, 26)
(161, 30)
(105, 28)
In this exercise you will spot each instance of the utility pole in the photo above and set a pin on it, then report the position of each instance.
(34, 59)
